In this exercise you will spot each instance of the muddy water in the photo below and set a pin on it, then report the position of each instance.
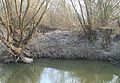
(60, 71)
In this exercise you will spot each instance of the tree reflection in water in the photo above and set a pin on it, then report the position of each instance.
(60, 71)
(20, 73)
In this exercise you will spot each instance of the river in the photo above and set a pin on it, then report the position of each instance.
(60, 71)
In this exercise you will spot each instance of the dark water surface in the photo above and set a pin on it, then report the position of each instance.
(60, 71)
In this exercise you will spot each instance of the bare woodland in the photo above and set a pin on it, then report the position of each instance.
(20, 21)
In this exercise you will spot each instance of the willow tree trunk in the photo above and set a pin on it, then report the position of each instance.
(18, 27)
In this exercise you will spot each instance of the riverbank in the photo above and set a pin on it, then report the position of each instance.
(68, 45)
(71, 45)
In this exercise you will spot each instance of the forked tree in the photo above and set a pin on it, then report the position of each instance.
(84, 12)
(95, 13)
(18, 22)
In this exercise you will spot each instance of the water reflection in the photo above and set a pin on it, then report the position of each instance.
(56, 76)
(60, 71)
(20, 73)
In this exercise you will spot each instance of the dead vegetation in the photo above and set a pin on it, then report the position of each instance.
(20, 20)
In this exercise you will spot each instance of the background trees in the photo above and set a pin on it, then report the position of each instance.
(61, 15)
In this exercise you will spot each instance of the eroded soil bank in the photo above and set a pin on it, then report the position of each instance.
(68, 45)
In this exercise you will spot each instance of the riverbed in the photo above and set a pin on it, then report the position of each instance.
(60, 71)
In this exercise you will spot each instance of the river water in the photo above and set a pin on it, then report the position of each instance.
(60, 71)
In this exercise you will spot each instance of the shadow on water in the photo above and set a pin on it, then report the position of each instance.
(60, 71)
